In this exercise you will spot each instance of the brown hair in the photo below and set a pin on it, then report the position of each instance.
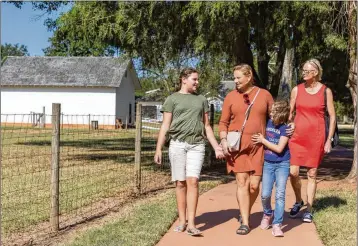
(281, 112)
(246, 69)
(184, 74)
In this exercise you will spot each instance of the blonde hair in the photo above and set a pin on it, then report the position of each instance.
(184, 74)
(281, 112)
(246, 69)
(317, 65)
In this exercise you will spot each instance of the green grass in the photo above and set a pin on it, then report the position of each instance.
(336, 216)
(144, 225)
(94, 165)
(346, 140)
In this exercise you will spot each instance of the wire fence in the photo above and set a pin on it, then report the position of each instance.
(69, 169)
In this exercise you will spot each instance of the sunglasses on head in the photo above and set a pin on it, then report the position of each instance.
(246, 99)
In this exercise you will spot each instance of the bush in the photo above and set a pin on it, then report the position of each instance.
(343, 109)
(217, 116)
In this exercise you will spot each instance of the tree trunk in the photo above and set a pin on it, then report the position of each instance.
(244, 55)
(241, 49)
(262, 57)
(262, 61)
(352, 79)
(287, 81)
(352, 85)
(275, 83)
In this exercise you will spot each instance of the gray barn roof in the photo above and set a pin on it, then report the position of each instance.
(66, 71)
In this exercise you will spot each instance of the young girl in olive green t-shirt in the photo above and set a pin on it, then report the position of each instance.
(185, 121)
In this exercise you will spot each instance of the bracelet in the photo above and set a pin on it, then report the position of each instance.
(222, 139)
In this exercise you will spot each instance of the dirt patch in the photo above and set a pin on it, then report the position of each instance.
(337, 184)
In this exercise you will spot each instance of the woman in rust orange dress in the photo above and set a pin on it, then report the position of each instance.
(309, 141)
(246, 163)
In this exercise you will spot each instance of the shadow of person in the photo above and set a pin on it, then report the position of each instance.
(255, 219)
(323, 203)
(212, 219)
(290, 223)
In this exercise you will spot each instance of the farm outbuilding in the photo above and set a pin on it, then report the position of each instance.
(102, 86)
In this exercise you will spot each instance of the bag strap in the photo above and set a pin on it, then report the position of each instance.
(294, 109)
(325, 101)
(247, 113)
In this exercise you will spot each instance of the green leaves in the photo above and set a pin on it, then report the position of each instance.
(162, 33)
(336, 41)
(13, 50)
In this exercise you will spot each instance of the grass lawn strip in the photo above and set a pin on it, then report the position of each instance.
(335, 216)
(143, 225)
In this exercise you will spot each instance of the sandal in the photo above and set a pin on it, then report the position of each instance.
(243, 230)
(180, 228)
(193, 232)
(240, 220)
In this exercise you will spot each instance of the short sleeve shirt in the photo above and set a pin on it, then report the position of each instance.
(187, 117)
(273, 134)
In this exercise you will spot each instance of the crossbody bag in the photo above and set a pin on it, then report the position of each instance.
(234, 137)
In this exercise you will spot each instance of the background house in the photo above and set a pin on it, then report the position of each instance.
(225, 88)
(83, 85)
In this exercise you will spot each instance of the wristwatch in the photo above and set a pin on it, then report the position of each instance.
(332, 139)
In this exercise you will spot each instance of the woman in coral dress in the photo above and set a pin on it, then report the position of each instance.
(309, 142)
(246, 163)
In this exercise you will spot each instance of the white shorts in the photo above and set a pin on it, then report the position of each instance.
(186, 160)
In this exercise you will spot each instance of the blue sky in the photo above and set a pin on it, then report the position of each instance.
(22, 26)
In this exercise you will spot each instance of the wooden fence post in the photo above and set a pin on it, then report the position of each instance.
(138, 139)
(211, 121)
(32, 118)
(89, 121)
(43, 118)
(55, 167)
(61, 121)
(127, 122)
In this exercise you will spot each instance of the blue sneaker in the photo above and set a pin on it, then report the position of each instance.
(307, 217)
(296, 208)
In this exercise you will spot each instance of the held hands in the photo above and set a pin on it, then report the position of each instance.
(257, 138)
(219, 154)
(290, 129)
(225, 148)
(158, 157)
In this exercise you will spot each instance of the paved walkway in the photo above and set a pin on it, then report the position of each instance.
(217, 218)
(218, 212)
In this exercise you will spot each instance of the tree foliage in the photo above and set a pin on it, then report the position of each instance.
(13, 50)
(160, 33)
(164, 35)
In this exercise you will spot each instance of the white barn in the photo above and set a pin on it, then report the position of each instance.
(218, 100)
(82, 85)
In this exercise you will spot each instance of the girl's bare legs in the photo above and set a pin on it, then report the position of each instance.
(192, 200)
(180, 190)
